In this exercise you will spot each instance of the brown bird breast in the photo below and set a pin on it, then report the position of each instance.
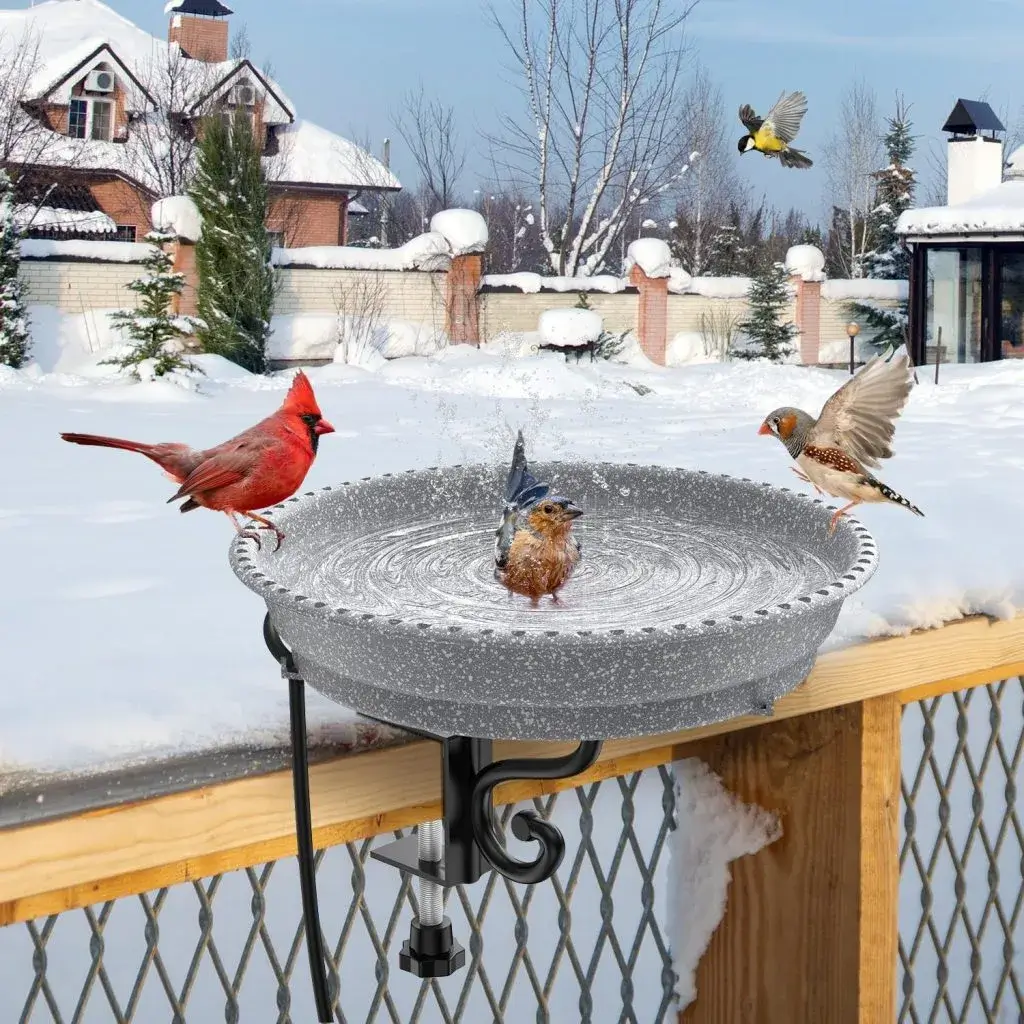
(539, 565)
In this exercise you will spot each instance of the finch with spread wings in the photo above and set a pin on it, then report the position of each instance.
(772, 134)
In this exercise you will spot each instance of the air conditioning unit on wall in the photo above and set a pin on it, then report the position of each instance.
(243, 95)
(99, 81)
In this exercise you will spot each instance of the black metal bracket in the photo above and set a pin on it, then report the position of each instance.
(473, 843)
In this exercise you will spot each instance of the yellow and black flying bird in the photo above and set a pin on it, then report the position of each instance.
(772, 134)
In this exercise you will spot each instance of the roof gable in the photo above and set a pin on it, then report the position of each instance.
(277, 109)
(54, 82)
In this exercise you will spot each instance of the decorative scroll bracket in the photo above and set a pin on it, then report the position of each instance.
(473, 844)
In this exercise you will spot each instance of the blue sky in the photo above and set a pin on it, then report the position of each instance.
(347, 63)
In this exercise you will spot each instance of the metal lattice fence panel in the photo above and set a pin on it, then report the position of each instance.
(589, 945)
(962, 858)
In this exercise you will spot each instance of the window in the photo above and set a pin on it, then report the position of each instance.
(125, 233)
(953, 303)
(78, 114)
(102, 120)
(276, 239)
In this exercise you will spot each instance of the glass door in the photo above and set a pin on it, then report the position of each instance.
(1010, 342)
(953, 305)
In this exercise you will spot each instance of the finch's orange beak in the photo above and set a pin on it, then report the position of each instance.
(323, 427)
(764, 428)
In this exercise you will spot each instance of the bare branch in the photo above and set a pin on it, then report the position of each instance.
(429, 130)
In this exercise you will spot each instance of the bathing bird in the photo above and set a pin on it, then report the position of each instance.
(258, 468)
(853, 432)
(773, 133)
(534, 549)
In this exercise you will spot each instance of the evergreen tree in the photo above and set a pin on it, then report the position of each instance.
(769, 335)
(889, 260)
(151, 327)
(730, 254)
(236, 283)
(14, 336)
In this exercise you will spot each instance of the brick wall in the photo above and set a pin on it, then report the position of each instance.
(124, 205)
(415, 296)
(308, 218)
(73, 287)
(201, 38)
(518, 311)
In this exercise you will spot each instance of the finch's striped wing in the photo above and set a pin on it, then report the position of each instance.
(784, 118)
(750, 120)
(860, 417)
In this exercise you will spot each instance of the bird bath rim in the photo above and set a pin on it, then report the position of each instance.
(862, 566)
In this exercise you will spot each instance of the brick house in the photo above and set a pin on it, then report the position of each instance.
(113, 114)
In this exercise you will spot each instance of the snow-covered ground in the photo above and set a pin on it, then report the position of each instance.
(129, 637)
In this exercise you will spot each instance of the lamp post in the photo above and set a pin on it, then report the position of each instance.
(852, 329)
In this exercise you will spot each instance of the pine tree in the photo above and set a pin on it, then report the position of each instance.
(236, 283)
(889, 260)
(151, 327)
(14, 331)
(769, 335)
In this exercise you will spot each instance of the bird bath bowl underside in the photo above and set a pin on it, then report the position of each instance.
(700, 597)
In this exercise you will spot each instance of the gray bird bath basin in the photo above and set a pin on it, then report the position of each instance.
(699, 598)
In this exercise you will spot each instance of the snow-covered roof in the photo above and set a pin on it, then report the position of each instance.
(999, 212)
(29, 217)
(309, 154)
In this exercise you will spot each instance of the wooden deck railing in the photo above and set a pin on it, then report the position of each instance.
(810, 932)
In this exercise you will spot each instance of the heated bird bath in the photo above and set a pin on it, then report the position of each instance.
(699, 598)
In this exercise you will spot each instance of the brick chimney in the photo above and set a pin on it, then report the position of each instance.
(200, 28)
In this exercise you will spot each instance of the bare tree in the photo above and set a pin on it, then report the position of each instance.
(852, 156)
(429, 129)
(603, 133)
(711, 185)
(26, 135)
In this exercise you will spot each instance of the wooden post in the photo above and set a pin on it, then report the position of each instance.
(810, 928)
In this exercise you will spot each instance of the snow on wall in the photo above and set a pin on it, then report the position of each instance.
(713, 829)
(864, 288)
(429, 251)
(100, 251)
(179, 216)
(464, 230)
(651, 255)
(530, 283)
(806, 261)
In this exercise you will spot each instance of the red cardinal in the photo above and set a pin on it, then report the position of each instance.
(260, 467)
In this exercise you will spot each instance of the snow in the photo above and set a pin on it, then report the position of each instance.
(806, 262)
(713, 828)
(28, 216)
(103, 252)
(530, 283)
(314, 336)
(679, 281)
(688, 347)
(651, 255)
(864, 288)
(428, 251)
(99, 557)
(999, 210)
(720, 287)
(569, 328)
(309, 154)
(464, 230)
(179, 216)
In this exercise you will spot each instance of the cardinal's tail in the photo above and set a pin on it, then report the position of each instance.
(795, 158)
(99, 441)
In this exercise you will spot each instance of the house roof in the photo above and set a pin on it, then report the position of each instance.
(971, 116)
(65, 35)
(997, 213)
(203, 8)
(311, 155)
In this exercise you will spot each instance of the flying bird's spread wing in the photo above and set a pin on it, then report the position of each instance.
(860, 417)
(784, 118)
(750, 120)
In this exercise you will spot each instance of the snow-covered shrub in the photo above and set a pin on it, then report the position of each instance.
(770, 337)
(14, 333)
(154, 333)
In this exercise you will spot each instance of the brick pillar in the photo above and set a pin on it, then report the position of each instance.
(652, 314)
(462, 313)
(808, 318)
(184, 255)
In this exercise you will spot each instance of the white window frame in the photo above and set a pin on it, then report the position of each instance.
(90, 109)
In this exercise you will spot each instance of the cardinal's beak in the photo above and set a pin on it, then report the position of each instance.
(764, 429)
(323, 427)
